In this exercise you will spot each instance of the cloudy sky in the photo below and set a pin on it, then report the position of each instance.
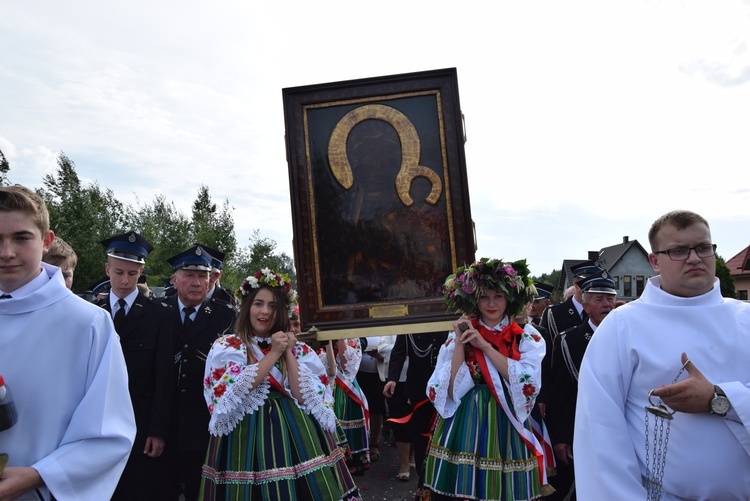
(585, 120)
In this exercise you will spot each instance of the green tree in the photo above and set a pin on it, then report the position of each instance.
(725, 278)
(261, 253)
(4, 168)
(212, 225)
(167, 229)
(83, 216)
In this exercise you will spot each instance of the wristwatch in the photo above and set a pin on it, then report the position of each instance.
(720, 403)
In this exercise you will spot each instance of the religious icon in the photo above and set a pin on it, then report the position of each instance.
(381, 203)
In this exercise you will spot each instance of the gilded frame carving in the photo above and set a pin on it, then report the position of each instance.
(380, 201)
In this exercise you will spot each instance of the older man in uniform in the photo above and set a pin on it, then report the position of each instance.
(598, 300)
(145, 330)
(198, 322)
(569, 313)
(555, 320)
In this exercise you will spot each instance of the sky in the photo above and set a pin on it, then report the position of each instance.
(585, 120)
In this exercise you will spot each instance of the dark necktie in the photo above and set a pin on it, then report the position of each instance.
(120, 315)
(6, 296)
(188, 310)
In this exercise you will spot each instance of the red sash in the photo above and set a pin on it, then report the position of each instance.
(350, 391)
(506, 342)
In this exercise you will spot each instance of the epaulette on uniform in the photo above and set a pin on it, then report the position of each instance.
(159, 302)
(568, 330)
(221, 302)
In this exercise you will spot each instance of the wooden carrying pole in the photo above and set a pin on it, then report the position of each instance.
(313, 334)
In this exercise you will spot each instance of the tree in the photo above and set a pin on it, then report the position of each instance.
(83, 216)
(260, 254)
(4, 168)
(213, 226)
(725, 278)
(167, 229)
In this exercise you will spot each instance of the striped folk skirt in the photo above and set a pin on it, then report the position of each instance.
(276, 453)
(477, 454)
(351, 416)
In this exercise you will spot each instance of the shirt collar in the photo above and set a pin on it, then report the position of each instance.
(129, 299)
(32, 286)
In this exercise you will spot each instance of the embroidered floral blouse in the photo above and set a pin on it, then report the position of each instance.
(525, 375)
(352, 358)
(230, 391)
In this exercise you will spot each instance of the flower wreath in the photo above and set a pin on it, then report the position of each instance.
(462, 289)
(270, 278)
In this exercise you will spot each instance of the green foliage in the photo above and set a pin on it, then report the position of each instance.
(213, 226)
(725, 278)
(4, 168)
(83, 216)
(168, 230)
(249, 259)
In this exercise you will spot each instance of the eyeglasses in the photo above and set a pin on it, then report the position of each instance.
(682, 253)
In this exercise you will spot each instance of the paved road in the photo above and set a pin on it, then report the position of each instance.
(380, 482)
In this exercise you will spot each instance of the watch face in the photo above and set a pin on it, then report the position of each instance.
(720, 405)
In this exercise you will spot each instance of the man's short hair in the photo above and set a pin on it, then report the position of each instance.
(680, 219)
(59, 253)
(20, 198)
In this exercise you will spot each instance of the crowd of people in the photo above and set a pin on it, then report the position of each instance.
(209, 394)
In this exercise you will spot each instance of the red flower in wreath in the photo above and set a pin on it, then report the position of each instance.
(529, 390)
(432, 394)
(324, 379)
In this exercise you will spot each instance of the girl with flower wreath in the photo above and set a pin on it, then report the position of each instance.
(271, 407)
(484, 387)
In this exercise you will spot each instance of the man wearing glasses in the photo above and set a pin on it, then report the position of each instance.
(698, 447)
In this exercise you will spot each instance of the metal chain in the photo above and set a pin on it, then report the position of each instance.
(653, 480)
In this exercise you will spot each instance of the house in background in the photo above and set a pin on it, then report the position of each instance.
(739, 268)
(626, 262)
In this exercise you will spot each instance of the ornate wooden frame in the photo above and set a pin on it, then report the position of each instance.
(380, 200)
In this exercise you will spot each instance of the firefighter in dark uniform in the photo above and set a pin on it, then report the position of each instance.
(569, 313)
(555, 320)
(215, 290)
(145, 330)
(198, 321)
(599, 296)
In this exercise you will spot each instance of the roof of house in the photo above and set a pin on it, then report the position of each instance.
(567, 272)
(609, 256)
(740, 264)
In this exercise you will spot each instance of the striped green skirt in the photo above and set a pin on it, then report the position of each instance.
(351, 417)
(276, 453)
(477, 454)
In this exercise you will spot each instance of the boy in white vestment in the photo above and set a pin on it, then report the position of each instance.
(62, 359)
(681, 320)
